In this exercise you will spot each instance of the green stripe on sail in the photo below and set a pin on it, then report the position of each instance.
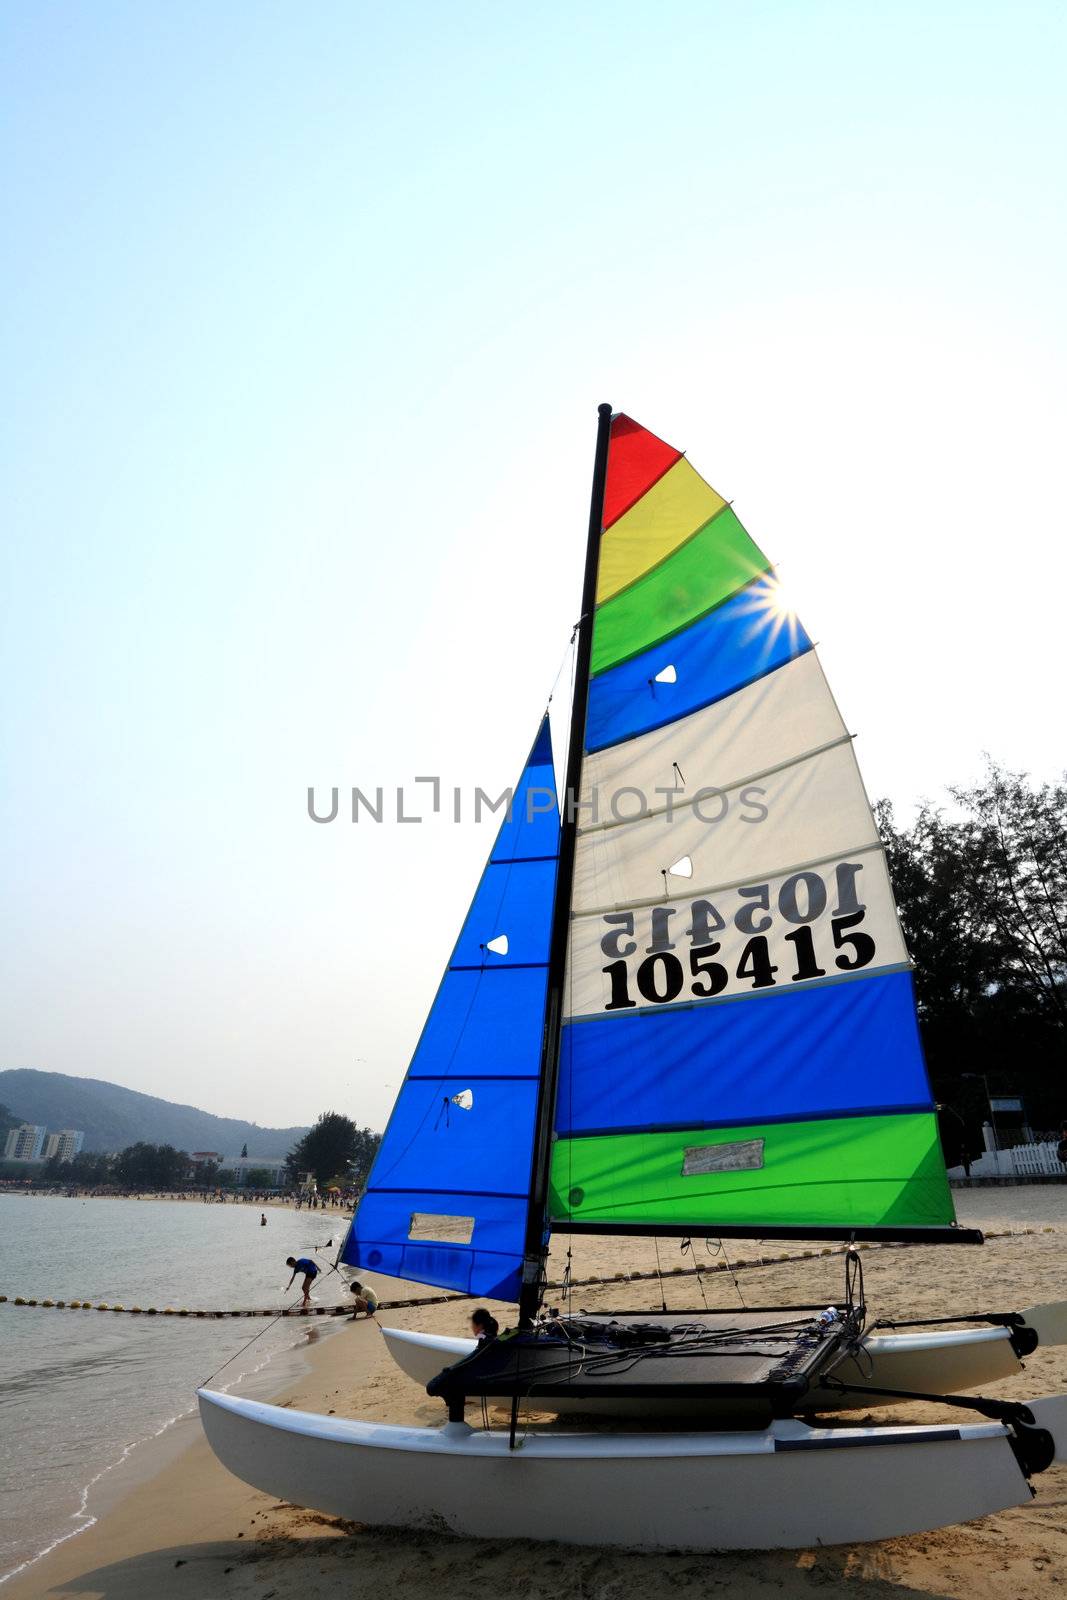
(701, 574)
(873, 1171)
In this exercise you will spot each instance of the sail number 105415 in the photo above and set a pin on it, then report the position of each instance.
(791, 918)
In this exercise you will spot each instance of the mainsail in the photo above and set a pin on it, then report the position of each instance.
(446, 1202)
(739, 1049)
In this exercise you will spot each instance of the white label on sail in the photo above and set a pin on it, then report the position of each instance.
(825, 921)
(427, 1225)
(744, 1155)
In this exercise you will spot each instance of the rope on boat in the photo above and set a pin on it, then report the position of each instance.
(593, 1282)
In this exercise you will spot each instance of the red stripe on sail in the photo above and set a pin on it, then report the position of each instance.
(636, 460)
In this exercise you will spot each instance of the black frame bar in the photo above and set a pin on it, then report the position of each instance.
(750, 1230)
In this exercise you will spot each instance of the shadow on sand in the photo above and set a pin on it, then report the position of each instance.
(337, 1559)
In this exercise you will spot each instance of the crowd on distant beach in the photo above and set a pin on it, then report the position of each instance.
(336, 1200)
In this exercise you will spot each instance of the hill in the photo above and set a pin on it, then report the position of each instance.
(113, 1117)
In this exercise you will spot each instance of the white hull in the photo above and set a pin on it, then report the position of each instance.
(788, 1486)
(931, 1362)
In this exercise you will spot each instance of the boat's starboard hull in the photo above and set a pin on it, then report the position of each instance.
(788, 1486)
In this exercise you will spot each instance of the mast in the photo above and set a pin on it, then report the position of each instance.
(529, 1296)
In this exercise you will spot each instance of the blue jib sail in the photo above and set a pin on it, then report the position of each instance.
(446, 1200)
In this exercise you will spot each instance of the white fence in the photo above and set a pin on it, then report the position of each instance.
(1021, 1162)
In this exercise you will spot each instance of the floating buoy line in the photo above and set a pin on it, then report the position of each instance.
(593, 1282)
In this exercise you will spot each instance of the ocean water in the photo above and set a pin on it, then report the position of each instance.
(80, 1390)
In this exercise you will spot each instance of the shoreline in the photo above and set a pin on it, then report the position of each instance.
(144, 1458)
(187, 1530)
(180, 1490)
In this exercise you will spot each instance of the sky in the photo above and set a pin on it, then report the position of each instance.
(306, 315)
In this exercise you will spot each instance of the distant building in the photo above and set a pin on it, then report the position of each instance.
(241, 1166)
(25, 1143)
(205, 1155)
(65, 1144)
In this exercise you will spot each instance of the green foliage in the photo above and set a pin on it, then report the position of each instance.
(259, 1178)
(90, 1169)
(151, 1166)
(333, 1146)
(982, 892)
(8, 1119)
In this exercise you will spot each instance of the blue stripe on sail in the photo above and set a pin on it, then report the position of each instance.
(532, 826)
(734, 645)
(514, 899)
(483, 1035)
(434, 1144)
(484, 1022)
(849, 1049)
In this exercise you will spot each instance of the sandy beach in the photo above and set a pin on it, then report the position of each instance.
(188, 1529)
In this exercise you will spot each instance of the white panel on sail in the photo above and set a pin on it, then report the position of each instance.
(825, 921)
(779, 717)
(776, 822)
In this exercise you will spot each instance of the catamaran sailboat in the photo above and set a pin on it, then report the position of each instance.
(679, 1005)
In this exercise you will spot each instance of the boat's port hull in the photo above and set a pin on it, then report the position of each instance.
(788, 1486)
(932, 1362)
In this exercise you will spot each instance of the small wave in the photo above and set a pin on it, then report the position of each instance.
(83, 1516)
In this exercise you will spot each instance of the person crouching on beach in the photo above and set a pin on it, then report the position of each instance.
(310, 1271)
(365, 1302)
(483, 1325)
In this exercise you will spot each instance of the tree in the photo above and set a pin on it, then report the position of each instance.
(1016, 842)
(982, 895)
(244, 1152)
(90, 1170)
(366, 1149)
(330, 1148)
(151, 1166)
(259, 1178)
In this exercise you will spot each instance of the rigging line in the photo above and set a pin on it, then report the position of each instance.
(566, 658)
(659, 1274)
(283, 1313)
(855, 1299)
(720, 1249)
(687, 1244)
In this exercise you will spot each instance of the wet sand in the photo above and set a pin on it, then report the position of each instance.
(190, 1530)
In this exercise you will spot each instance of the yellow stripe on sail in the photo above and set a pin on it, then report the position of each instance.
(672, 510)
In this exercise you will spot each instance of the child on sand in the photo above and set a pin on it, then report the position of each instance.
(365, 1302)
